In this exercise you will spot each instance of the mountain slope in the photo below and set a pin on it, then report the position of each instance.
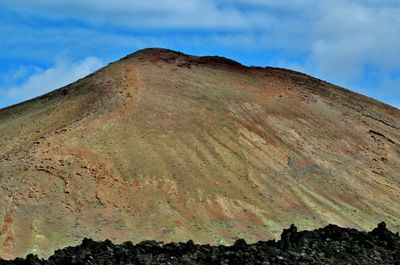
(168, 146)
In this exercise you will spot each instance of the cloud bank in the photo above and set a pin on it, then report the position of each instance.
(45, 80)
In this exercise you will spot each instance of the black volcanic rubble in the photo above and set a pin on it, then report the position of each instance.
(329, 245)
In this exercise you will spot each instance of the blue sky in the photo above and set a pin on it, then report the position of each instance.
(45, 44)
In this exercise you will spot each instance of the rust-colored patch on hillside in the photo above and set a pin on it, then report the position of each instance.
(7, 233)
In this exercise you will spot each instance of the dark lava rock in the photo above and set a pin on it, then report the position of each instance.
(329, 245)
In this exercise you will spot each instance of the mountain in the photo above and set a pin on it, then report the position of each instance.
(166, 146)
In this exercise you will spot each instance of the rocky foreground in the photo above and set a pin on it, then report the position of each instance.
(329, 245)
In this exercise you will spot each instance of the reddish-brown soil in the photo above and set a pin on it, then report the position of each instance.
(172, 147)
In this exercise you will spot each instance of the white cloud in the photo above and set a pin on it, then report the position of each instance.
(202, 14)
(348, 37)
(45, 80)
(15, 75)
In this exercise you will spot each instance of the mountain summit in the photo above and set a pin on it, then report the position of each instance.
(166, 146)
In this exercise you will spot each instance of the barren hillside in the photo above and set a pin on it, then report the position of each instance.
(166, 146)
